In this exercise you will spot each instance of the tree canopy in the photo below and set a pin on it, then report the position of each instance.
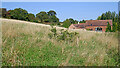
(47, 16)
(111, 16)
(30, 17)
(108, 29)
(41, 17)
(18, 13)
(68, 22)
(51, 13)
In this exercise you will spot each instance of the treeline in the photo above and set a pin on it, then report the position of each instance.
(115, 21)
(41, 17)
(70, 21)
(22, 14)
(50, 18)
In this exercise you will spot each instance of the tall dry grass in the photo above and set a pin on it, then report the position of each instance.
(0, 43)
(89, 49)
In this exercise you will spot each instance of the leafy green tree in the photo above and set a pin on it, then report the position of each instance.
(83, 21)
(111, 16)
(108, 15)
(51, 13)
(30, 17)
(52, 16)
(42, 16)
(116, 18)
(76, 21)
(9, 14)
(53, 19)
(18, 13)
(114, 29)
(66, 23)
(72, 21)
(108, 29)
(119, 22)
(99, 18)
(103, 17)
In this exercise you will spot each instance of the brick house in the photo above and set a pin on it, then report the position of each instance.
(93, 25)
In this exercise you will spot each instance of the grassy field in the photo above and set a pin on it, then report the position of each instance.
(28, 44)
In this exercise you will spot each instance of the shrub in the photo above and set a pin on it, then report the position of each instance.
(50, 35)
(64, 35)
(54, 31)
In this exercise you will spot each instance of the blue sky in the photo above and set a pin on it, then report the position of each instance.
(64, 10)
(60, 0)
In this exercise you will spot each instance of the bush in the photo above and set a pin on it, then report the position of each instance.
(50, 35)
(54, 31)
(64, 35)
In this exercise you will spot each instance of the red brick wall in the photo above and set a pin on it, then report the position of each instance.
(93, 27)
(89, 27)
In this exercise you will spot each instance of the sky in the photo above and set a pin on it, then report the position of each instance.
(119, 6)
(65, 10)
(60, 0)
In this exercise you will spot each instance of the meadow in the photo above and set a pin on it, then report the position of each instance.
(28, 44)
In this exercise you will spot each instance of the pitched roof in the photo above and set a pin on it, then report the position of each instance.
(93, 23)
(81, 25)
(98, 22)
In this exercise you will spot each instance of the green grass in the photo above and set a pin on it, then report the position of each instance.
(29, 45)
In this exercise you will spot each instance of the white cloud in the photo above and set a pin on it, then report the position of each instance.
(60, 0)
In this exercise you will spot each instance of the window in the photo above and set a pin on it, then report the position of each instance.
(91, 24)
(98, 29)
